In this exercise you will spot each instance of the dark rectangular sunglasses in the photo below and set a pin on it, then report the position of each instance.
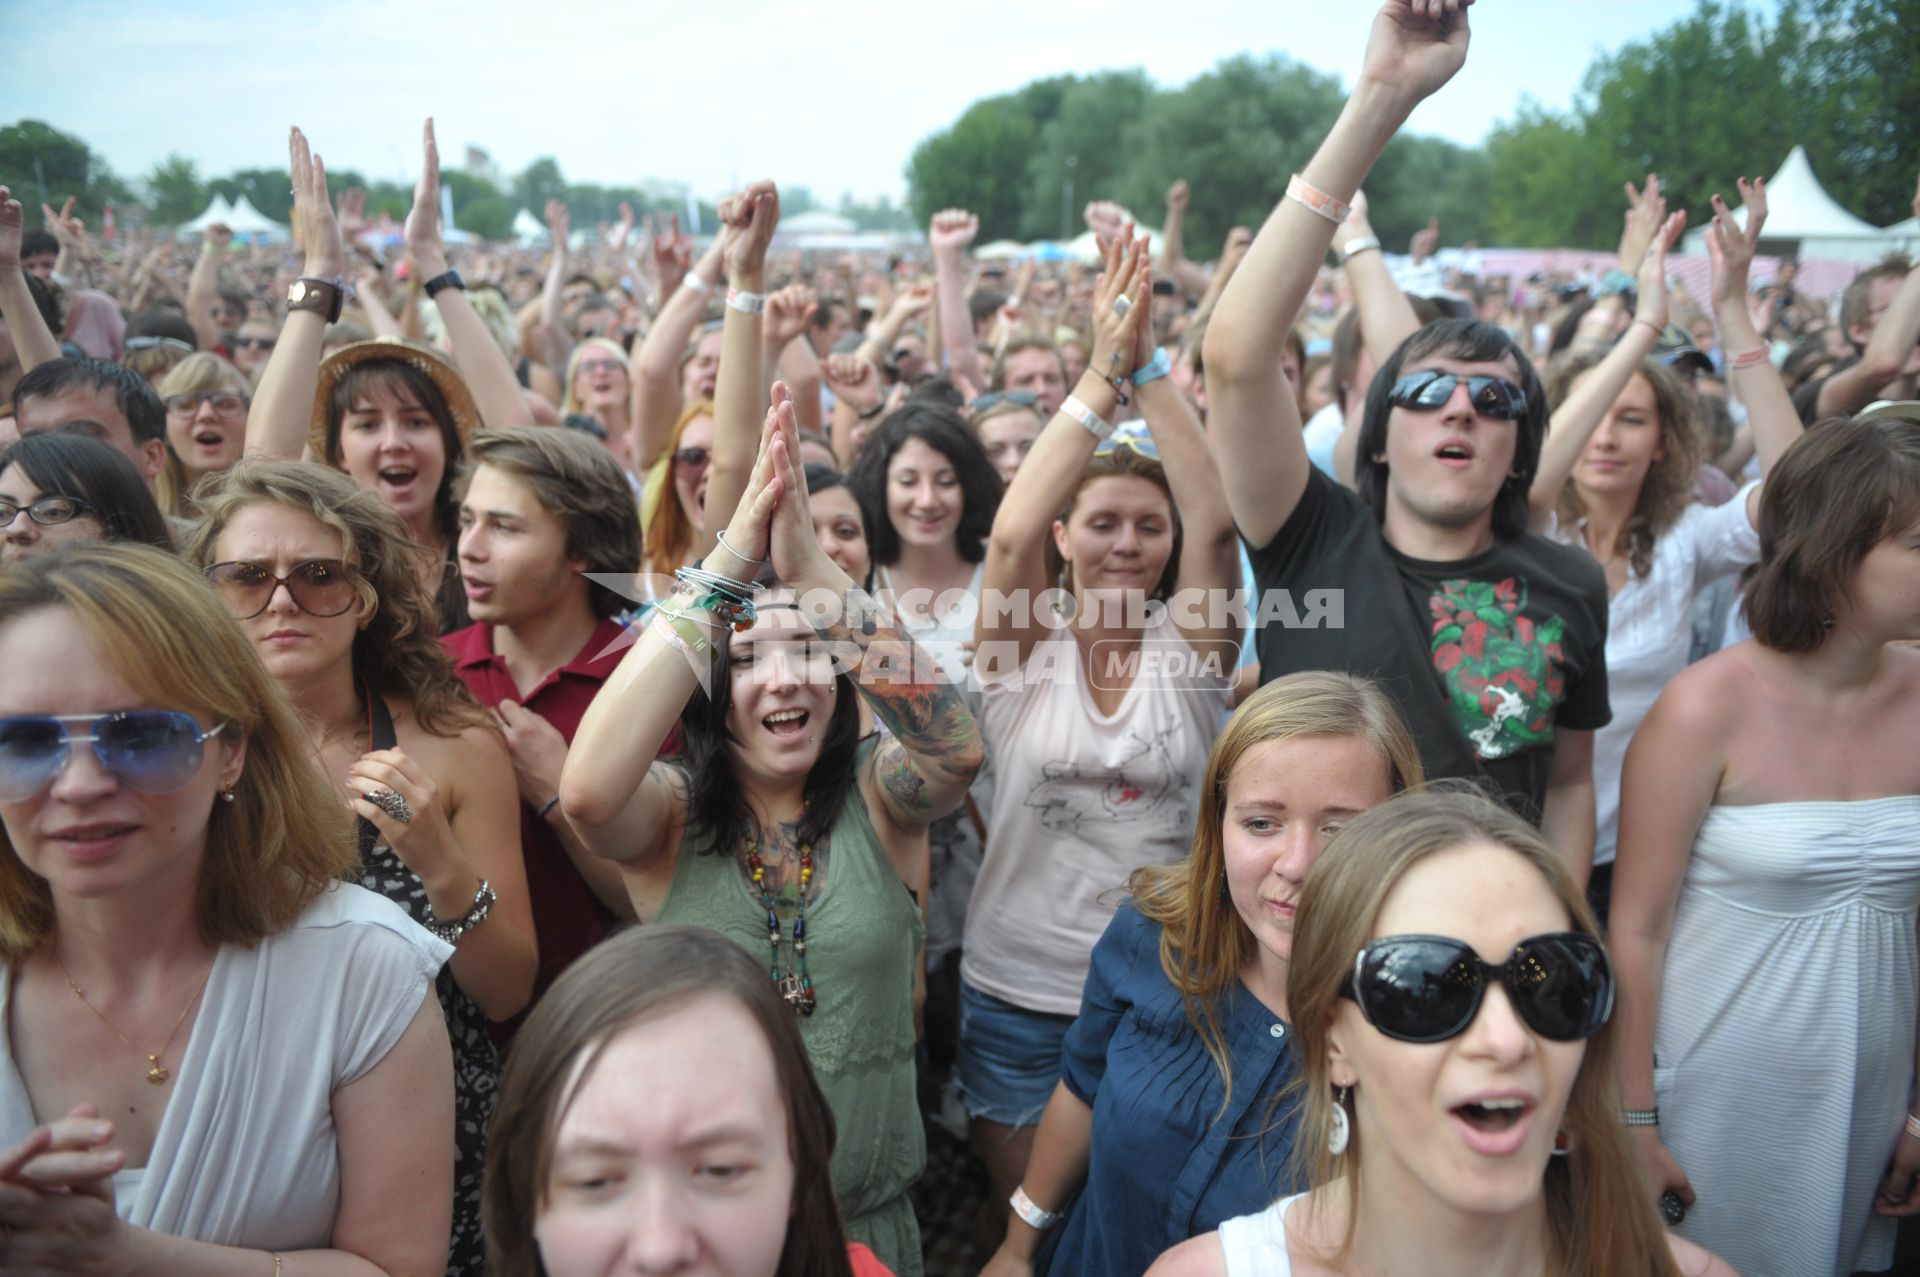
(320, 587)
(1428, 391)
(1429, 988)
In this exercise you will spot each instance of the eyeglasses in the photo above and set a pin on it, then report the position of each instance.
(692, 458)
(320, 587)
(1021, 398)
(1429, 391)
(591, 366)
(254, 343)
(1133, 439)
(225, 403)
(151, 343)
(47, 511)
(152, 751)
(1428, 988)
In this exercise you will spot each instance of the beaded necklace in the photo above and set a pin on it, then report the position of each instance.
(796, 986)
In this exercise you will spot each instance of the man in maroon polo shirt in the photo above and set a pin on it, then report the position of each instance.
(543, 507)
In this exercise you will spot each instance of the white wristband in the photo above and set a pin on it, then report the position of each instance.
(698, 285)
(746, 303)
(1040, 1220)
(1097, 426)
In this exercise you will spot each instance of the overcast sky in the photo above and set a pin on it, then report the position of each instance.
(830, 94)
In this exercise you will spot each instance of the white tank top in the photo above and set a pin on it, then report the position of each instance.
(1256, 1245)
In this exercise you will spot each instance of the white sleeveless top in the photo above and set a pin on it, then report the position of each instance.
(1256, 1245)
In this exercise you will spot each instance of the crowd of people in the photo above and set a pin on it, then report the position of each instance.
(598, 761)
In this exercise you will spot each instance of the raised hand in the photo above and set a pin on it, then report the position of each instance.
(672, 257)
(63, 225)
(13, 220)
(559, 225)
(352, 215)
(1651, 304)
(1732, 247)
(1116, 335)
(787, 315)
(1646, 211)
(853, 380)
(313, 221)
(751, 216)
(750, 529)
(1355, 227)
(1104, 218)
(623, 231)
(1177, 196)
(797, 557)
(1424, 241)
(424, 244)
(953, 231)
(1416, 46)
(218, 235)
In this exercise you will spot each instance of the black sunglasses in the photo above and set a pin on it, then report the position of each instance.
(320, 587)
(1429, 391)
(46, 512)
(695, 457)
(1428, 988)
(254, 343)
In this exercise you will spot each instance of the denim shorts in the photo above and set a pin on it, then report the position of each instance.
(1009, 1058)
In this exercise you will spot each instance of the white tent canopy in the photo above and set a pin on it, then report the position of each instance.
(245, 219)
(218, 213)
(527, 228)
(1802, 219)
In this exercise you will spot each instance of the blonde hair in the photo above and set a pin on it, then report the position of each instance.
(1203, 943)
(196, 374)
(1600, 1214)
(571, 403)
(398, 652)
(285, 837)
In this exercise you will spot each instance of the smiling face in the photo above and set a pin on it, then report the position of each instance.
(782, 694)
(924, 496)
(1419, 1106)
(689, 1172)
(25, 537)
(1008, 438)
(1625, 444)
(513, 552)
(1119, 534)
(294, 645)
(1284, 800)
(841, 530)
(87, 833)
(1446, 467)
(391, 445)
(208, 431)
(690, 477)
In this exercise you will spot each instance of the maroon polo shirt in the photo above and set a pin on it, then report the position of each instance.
(568, 919)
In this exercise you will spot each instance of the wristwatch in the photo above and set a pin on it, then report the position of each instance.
(451, 279)
(324, 297)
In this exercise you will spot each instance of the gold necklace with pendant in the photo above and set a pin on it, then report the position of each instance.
(156, 1072)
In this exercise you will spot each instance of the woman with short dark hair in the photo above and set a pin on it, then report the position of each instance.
(59, 488)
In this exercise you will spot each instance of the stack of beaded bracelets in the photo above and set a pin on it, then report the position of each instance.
(726, 598)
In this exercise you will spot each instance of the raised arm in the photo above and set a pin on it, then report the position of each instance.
(952, 231)
(1771, 418)
(740, 388)
(1191, 276)
(656, 368)
(203, 285)
(1017, 547)
(1889, 350)
(789, 358)
(33, 342)
(283, 402)
(1252, 410)
(551, 332)
(1575, 420)
(1386, 316)
(483, 365)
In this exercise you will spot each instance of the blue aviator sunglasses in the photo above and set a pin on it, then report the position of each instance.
(151, 751)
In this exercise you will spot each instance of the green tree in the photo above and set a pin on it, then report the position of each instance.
(538, 183)
(1075, 156)
(1542, 190)
(175, 192)
(980, 164)
(43, 164)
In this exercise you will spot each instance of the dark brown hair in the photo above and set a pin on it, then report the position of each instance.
(577, 481)
(1844, 486)
(402, 380)
(1857, 299)
(636, 975)
(1667, 490)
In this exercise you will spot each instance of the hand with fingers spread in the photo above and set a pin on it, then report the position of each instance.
(64, 226)
(952, 232)
(1732, 246)
(789, 311)
(313, 221)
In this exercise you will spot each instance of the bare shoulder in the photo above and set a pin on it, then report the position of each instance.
(1697, 1261)
(1708, 694)
(465, 759)
(1195, 1257)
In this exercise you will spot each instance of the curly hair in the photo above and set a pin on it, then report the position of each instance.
(398, 652)
(1668, 487)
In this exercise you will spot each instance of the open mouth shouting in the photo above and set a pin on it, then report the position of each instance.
(398, 481)
(1495, 1124)
(787, 724)
(1455, 453)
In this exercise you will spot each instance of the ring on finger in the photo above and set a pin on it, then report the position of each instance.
(395, 805)
(1122, 304)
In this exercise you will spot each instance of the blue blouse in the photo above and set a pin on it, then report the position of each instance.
(1161, 1169)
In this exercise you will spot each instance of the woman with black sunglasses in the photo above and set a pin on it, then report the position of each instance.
(1099, 702)
(326, 584)
(1486, 1117)
(58, 489)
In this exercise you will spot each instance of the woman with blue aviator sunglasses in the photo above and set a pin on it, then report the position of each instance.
(1098, 702)
(178, 955)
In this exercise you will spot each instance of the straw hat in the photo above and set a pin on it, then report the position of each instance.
(424, 360)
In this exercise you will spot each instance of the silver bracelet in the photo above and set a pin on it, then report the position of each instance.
(477, 912)
(1640, 1117)
(1355, 247)
(721, 539)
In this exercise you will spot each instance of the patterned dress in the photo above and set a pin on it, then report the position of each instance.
(476, 1063)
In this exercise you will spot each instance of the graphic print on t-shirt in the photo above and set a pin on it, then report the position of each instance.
(1503, 674)
(1148, 785)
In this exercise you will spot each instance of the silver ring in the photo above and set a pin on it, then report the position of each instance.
(391, 803)
(1122, 304)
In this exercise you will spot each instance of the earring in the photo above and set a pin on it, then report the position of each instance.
(1342, 1129)
(1562, 1144)
(226, 796)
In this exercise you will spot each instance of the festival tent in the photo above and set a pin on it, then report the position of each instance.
(1001, 250)
(247, 221)
(1804, 221)
(218, 213)
(527, 228)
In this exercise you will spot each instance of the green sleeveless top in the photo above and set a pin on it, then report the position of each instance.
(863, 937)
